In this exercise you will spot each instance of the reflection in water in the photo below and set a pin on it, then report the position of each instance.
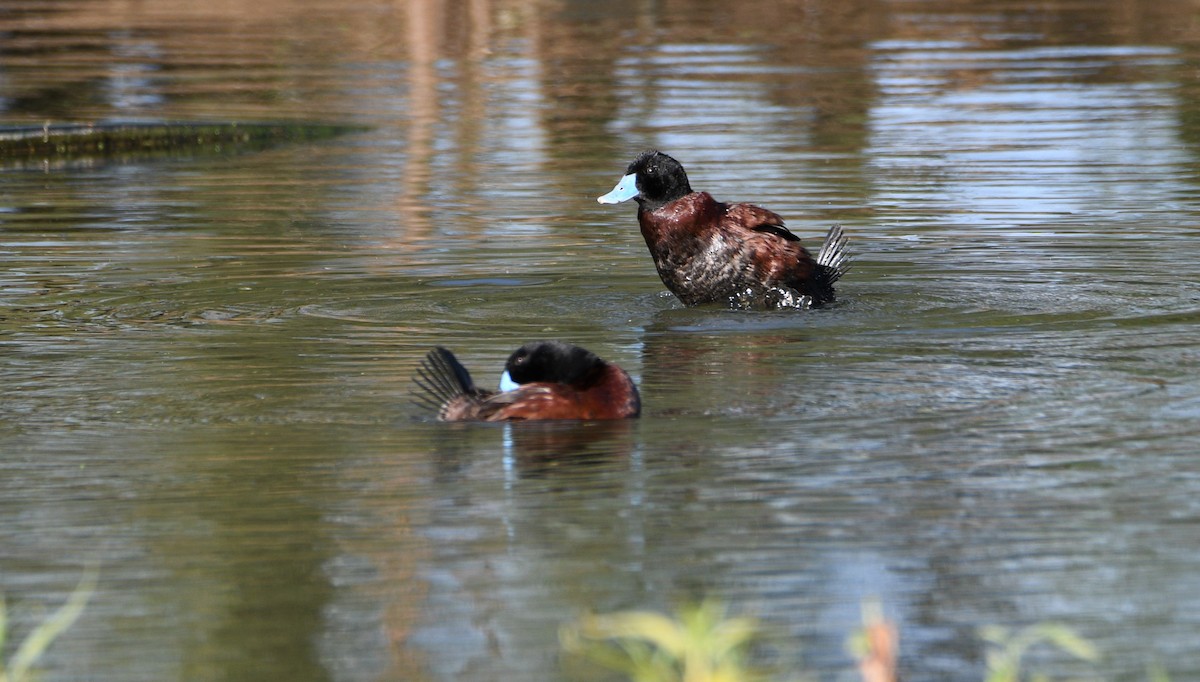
(419, 117)
(205, 361)
(701, 363)
(540, 449)
(505, 522)
(1020, 154)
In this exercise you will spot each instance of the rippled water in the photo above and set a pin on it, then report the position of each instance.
(206, 362)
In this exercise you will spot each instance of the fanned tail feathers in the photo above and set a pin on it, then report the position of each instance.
(442, 379)
(833, 258)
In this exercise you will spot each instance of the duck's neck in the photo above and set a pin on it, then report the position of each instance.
(680, 219)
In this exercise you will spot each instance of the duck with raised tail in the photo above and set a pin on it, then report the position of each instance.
(736, 254)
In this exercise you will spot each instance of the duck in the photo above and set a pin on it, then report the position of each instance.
(542, 380)
(736, 254)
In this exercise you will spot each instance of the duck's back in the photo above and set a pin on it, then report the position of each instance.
(610, 395)
(741, 254)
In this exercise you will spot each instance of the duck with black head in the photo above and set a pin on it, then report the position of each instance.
(542, 380)
(736, 254)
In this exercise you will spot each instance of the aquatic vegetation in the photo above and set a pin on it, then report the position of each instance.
(1007, 648)
(20, 666)
(701, 644)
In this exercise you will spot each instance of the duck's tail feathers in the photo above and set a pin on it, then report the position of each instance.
(441, 379)
(832, 262)
(833, 257)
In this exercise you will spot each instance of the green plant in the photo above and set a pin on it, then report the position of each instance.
(1008, 648)
(700, 645)
(19, 668)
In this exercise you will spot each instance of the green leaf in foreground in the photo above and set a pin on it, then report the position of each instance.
(700, 645)
(40, 639)
(1008, 648)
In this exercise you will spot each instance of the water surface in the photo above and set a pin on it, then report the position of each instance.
(207, 360)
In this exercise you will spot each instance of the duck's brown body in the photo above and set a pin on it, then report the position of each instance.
(611, 394)
(553, 380)
(706, 251)
(738, 254)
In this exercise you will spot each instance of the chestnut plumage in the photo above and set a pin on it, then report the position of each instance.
(549, 380)
(738, 254)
